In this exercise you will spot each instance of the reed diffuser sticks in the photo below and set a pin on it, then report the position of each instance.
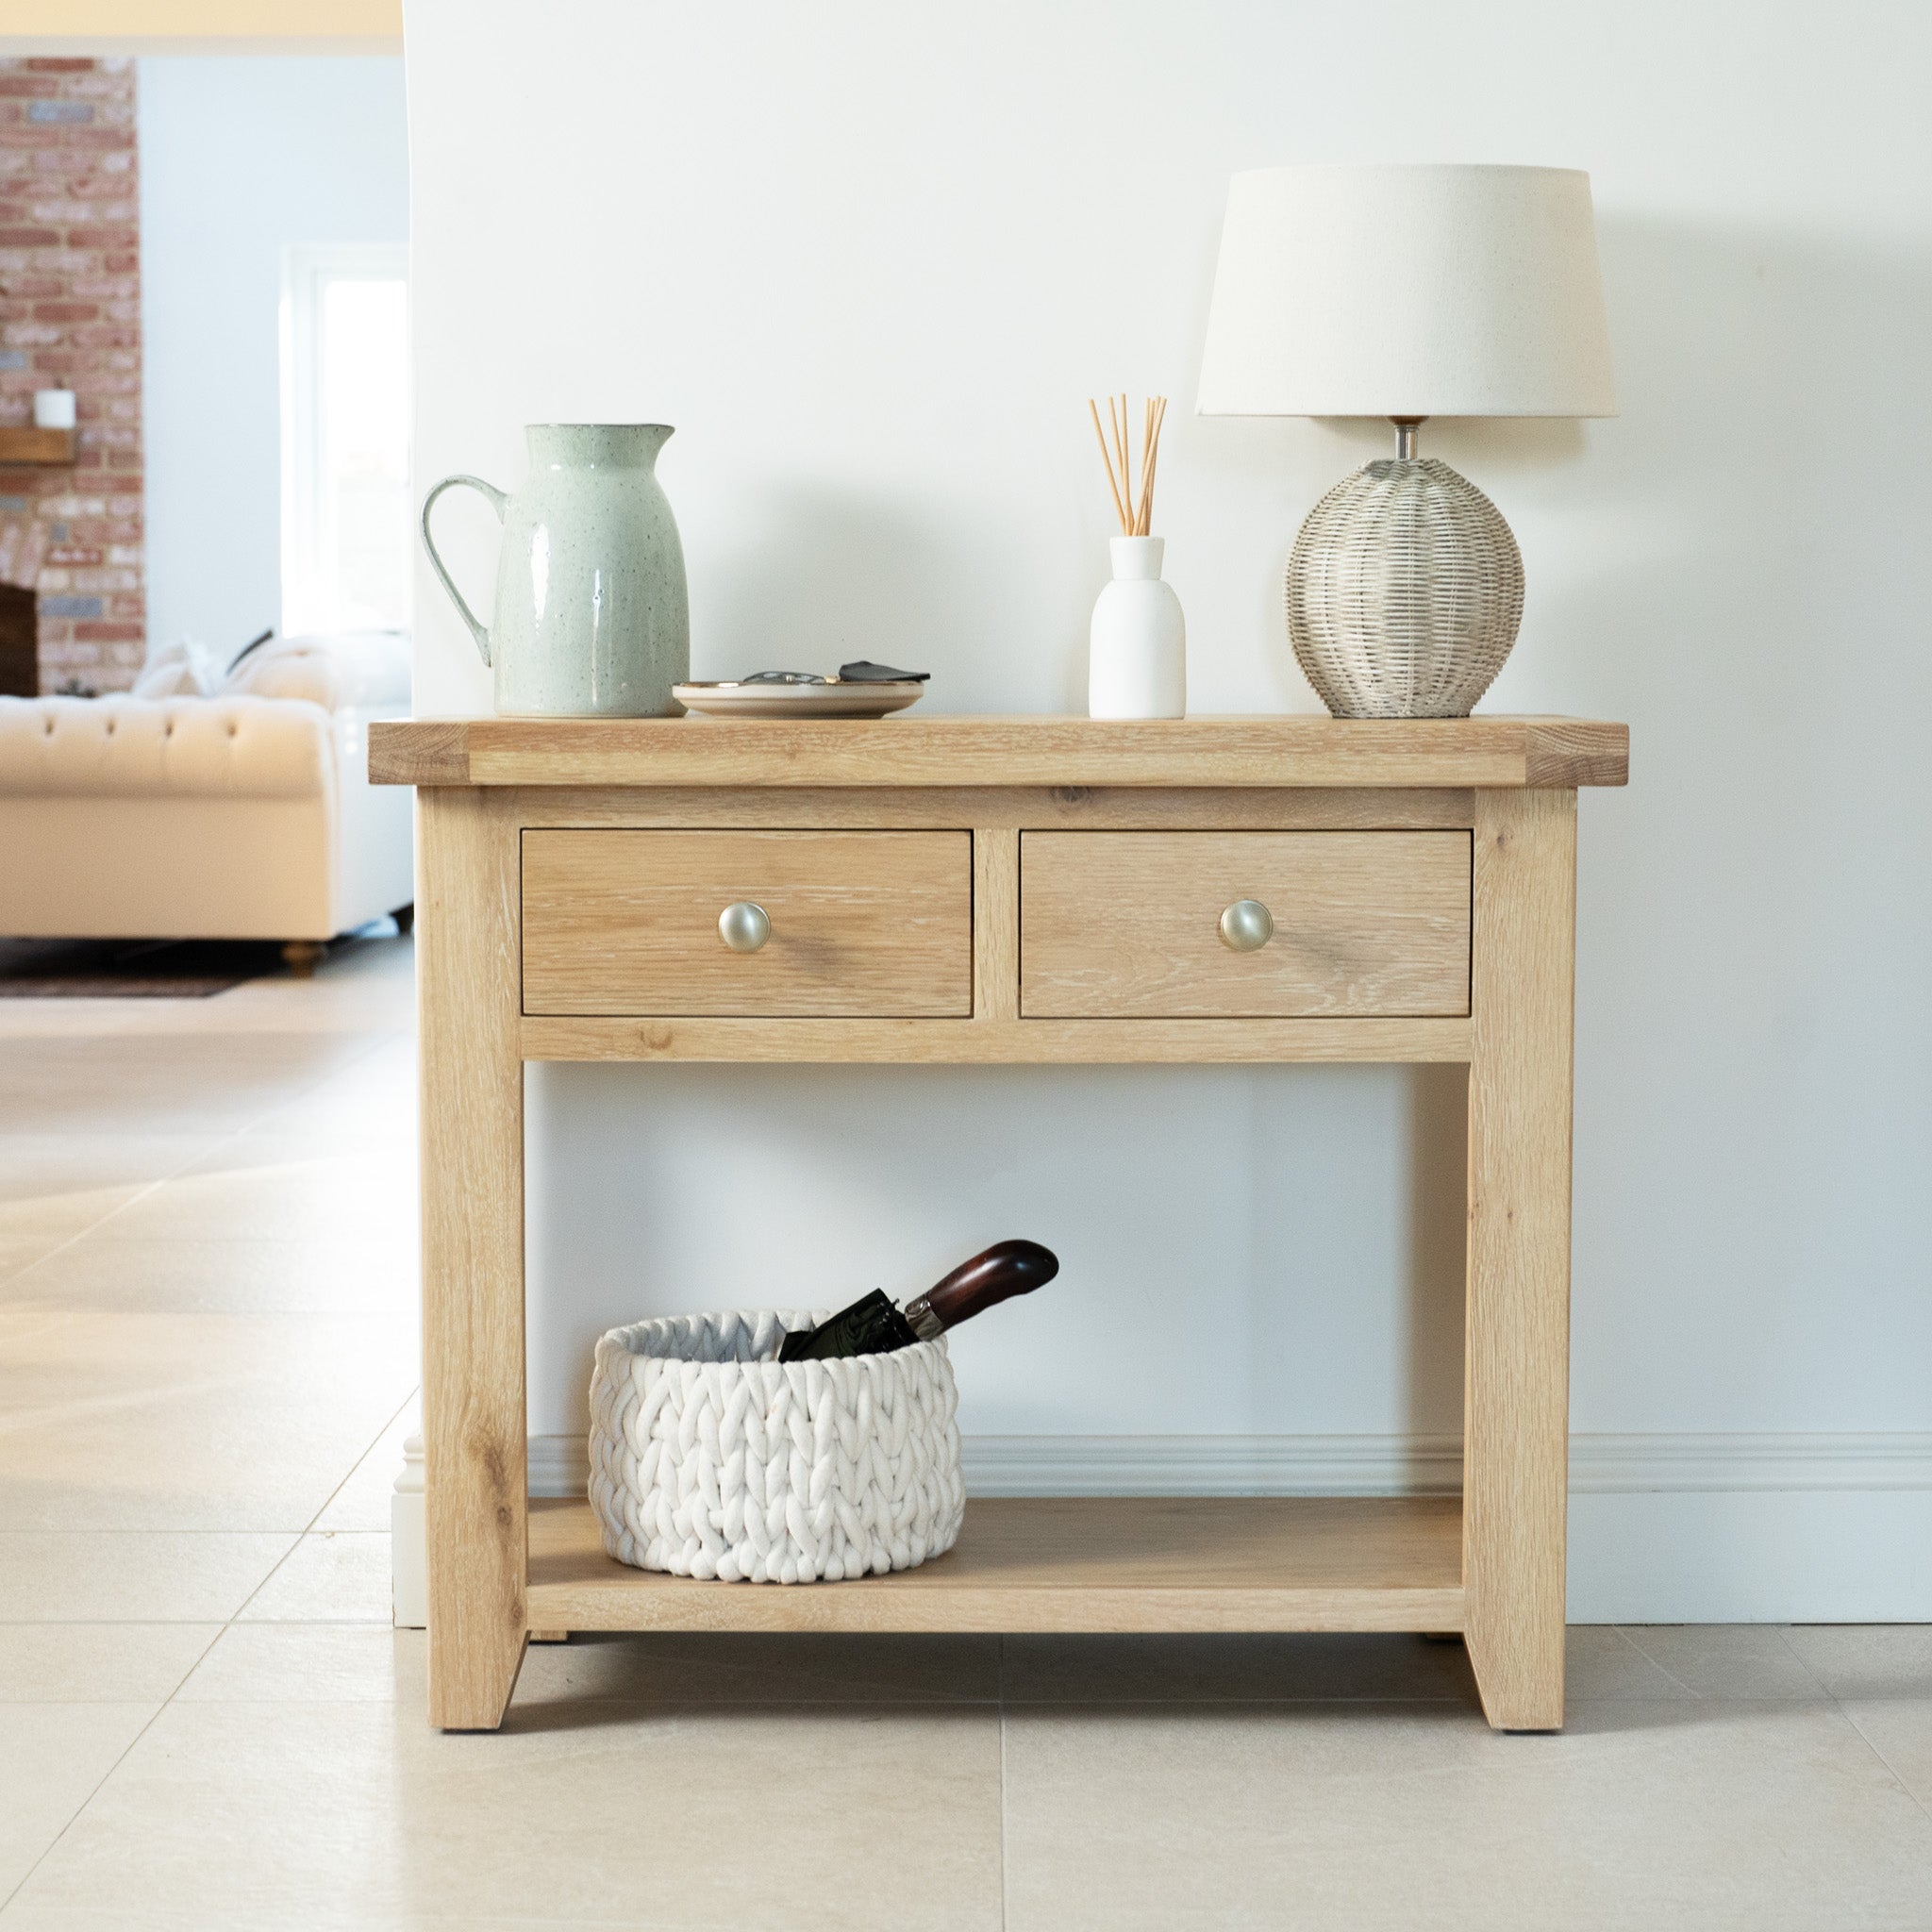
(1135, 513)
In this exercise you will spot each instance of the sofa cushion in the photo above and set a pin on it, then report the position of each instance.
(224, 747)
(184, 669)
(366, 670)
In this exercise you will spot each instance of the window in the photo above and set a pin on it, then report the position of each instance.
(345, 438)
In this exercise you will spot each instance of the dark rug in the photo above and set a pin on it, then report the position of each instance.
(131, 969)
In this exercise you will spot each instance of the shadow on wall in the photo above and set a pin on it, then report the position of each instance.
(1438, 1151)
(1739, 570)
(1244, 1250)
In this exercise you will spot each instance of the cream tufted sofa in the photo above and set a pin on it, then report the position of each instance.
(245, 815)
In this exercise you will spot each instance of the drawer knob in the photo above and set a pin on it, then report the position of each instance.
(744, 926)
(1247, 926)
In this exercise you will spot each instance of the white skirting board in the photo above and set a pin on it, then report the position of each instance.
(409, 1542)
(1663, 1529)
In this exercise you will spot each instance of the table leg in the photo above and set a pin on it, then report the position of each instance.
(1516, 1403)
(474, 1418)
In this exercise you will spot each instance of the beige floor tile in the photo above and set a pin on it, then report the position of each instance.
(1731, 1660)
(387, 1069)
(310, 1663)
(1900, 1730)
(28, 1916)
(22, 1916)
(98, 1663)
(68, 1019)
(103, 1272)
(373, 1102)
(370, 1107)
(312, 1197)
(229, 1016)
(52, 1757)
(32, 1165)
(25, 1327)
(1601, 1661)
(1211, 1668)
(165, 1080)
(1883, 1660)
(329, 1577)
(738, 1668)
(65, 1212)
(161, 1083)
(192, 1421)
(364, 1153)
(50, 1576)
(363, 1500)
(230, 1815)
(63, 1184)
(1644, 1813)
(20, 1252)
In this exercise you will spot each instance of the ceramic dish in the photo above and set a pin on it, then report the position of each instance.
(831, 699)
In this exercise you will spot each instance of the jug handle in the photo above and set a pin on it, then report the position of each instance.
(497, 499)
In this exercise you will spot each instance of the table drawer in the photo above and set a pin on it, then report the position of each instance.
(862, 924)
(1127, 925)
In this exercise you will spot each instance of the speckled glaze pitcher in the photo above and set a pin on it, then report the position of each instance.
(590, 618)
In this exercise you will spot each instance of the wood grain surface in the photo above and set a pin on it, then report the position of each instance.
(1516, 1359)
(993, 1041)
(1064, 1563)
(474, 1418)
(955, 807)
(862, 923)
(996, 924)
(1126, 925)
(925, 749)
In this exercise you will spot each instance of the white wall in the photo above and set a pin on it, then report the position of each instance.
(872, 259)
(237, 157)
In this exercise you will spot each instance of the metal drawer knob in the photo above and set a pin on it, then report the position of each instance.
(744, 926)
(1247, 926)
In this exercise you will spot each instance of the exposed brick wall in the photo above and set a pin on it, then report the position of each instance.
(70, 317)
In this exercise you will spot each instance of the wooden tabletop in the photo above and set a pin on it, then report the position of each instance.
(1023, 750)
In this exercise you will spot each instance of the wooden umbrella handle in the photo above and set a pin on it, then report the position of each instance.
(1004, 1269)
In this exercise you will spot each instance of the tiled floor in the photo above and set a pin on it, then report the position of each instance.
(206, 1346)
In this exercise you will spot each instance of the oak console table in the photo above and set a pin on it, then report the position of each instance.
(1030, 888)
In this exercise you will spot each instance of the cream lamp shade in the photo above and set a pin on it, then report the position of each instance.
(1408, 292)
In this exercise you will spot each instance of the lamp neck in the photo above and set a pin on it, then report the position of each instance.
(1406, 428)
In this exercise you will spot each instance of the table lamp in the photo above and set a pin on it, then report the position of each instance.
(1406, 293)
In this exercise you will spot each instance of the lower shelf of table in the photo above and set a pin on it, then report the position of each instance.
(1062, 1564)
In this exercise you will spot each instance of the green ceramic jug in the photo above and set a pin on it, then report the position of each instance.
(590, 618)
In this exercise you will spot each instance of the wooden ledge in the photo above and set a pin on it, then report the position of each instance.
(1287, 752)
(23, 444)
(1120, 1563)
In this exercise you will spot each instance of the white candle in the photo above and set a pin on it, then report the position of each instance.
(53, 408)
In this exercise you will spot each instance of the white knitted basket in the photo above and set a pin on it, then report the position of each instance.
(707, 1459)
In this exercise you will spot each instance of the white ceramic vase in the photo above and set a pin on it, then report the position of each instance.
(1137, 661)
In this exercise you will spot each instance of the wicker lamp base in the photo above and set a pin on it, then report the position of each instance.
(1405, 592)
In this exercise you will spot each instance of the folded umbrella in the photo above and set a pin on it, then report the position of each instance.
(874, 1326)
